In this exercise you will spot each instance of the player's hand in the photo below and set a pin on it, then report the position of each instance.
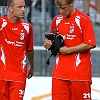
(47, 44)
(30, 72)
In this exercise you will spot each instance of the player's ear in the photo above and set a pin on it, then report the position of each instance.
(72, 4)
(10, 8)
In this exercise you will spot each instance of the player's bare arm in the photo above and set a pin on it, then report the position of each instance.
(30, 56)
(76, 49)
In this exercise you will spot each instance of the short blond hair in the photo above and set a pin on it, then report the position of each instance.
(59, 2)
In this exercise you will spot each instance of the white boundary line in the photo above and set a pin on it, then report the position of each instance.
(96, 49)
(39, 48)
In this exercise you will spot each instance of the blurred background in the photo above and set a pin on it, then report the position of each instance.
(40, 14)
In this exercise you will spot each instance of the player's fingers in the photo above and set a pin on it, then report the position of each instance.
(29, 76)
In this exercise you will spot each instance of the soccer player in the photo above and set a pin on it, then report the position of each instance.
(71, 78)
(16, 44)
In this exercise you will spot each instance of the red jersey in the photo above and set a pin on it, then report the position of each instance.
(76, 29)
(15, 40)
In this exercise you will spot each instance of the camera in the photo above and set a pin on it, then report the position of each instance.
(57, 41)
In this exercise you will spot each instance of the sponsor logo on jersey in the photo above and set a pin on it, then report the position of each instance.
(14, 43)
(14, 29)
(67, 23)
(71, 34)
(72, 29)
(22, 35)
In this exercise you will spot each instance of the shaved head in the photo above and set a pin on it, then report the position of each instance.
(11, 2)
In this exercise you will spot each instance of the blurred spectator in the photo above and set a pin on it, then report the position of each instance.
(49, 7)
(86, 4)
(28, 10)
(3, 9)
(52, 12)
(37, 5)
(53, 9)
(98, 11)
(34, 3)
(3, 2)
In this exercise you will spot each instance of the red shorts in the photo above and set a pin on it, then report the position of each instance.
(1, 88)
(10, 90)
(71, 90)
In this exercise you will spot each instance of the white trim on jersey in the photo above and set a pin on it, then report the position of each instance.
(3, 55)
(26, 26)
(3, 24)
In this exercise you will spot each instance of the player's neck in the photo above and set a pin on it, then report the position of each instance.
(73, 11)
(13, 18)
